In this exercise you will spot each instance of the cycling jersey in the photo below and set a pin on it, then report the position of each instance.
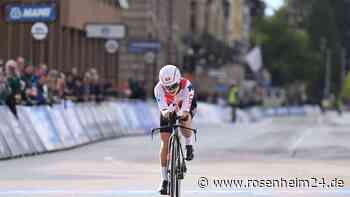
(182, 99)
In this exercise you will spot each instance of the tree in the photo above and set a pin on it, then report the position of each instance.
(346, 88)
(288, 53)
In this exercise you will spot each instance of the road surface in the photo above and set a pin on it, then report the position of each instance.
(275, 149)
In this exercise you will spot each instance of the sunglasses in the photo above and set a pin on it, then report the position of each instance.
(172, 87)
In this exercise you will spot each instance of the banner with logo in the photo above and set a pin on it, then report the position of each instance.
(73, 123)
(43, 126)
(142, 113)
(67, 138)
(21, 136)
(41, 12)
(87, 121)
(132, 116)
(6, 130)
(29, 129)
(112, 118)
(120, 116)
(102, 121)
(5, 151)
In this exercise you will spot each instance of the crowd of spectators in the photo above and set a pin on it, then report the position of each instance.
(27, 84)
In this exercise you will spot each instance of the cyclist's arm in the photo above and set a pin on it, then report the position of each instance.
(187, 102)
(162, 105)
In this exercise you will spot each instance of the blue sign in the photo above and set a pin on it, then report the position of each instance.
(143, 46)
(31, 12)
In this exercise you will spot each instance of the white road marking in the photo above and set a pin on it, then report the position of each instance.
(251, 192)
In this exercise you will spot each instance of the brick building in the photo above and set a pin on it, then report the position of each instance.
(66, 45)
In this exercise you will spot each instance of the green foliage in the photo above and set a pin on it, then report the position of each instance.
(287, 52)
(346, 88)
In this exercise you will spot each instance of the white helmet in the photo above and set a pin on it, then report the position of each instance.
(169, 75)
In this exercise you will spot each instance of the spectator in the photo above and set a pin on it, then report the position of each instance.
(20, 64)
(79, 90)
(53, 87)
(4, 90)
(233, 99)
(61, 84)
(42, 91)
(28, 79)
(86, 88)
(15, 86)
(96, 86)
(69, 87)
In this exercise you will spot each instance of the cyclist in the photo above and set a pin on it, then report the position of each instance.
(174, 95)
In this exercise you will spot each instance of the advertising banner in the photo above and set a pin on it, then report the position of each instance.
(112, 118)
(71, 119)
(120, 116)
(101, 120)
(65, 134)
(87, 121)
(8, 134)
(43, 126)
(20, 134)
(31, 12)
(29, 129)
(5, 150)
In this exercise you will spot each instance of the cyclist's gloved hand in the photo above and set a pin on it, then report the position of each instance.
(166, 113)
(184, 115)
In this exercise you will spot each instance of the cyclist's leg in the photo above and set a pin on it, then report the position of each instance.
(163, 155)
(164, 139)
(188, 133)
(188, 123)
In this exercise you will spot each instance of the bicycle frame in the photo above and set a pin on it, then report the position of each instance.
(176, 163)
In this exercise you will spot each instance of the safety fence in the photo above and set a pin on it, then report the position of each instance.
(43, 129)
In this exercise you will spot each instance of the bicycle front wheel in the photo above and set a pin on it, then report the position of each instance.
(175, 183)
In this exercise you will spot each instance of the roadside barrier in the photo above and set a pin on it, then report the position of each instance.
(42, 129)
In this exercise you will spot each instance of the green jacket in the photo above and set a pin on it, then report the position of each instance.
(233, 95)
(14, 84)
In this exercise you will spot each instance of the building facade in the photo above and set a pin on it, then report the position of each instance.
(66, 45)
(157, 28)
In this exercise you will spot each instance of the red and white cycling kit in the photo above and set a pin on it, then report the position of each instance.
(183, 100)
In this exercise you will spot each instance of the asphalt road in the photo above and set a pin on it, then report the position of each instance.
(294, 150)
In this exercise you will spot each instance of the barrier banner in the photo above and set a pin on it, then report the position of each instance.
(118, 112)
(88, 122)
(297, 111)
(14, 145)
(5, 150)
(311, 110)
(208, 113)
(269, 112)
(112, 118)
(120, 116)
(142, 113)
(42, 124)
(130, 115)
(29, 129)
(89, 114)
(70, 118)
(67, 138)
(154, 113)
(282, 111)
(137, 127)
(255, 114)
(102, 121)
(21, 136)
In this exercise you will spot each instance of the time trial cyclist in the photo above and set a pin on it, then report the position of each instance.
(174, 94)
